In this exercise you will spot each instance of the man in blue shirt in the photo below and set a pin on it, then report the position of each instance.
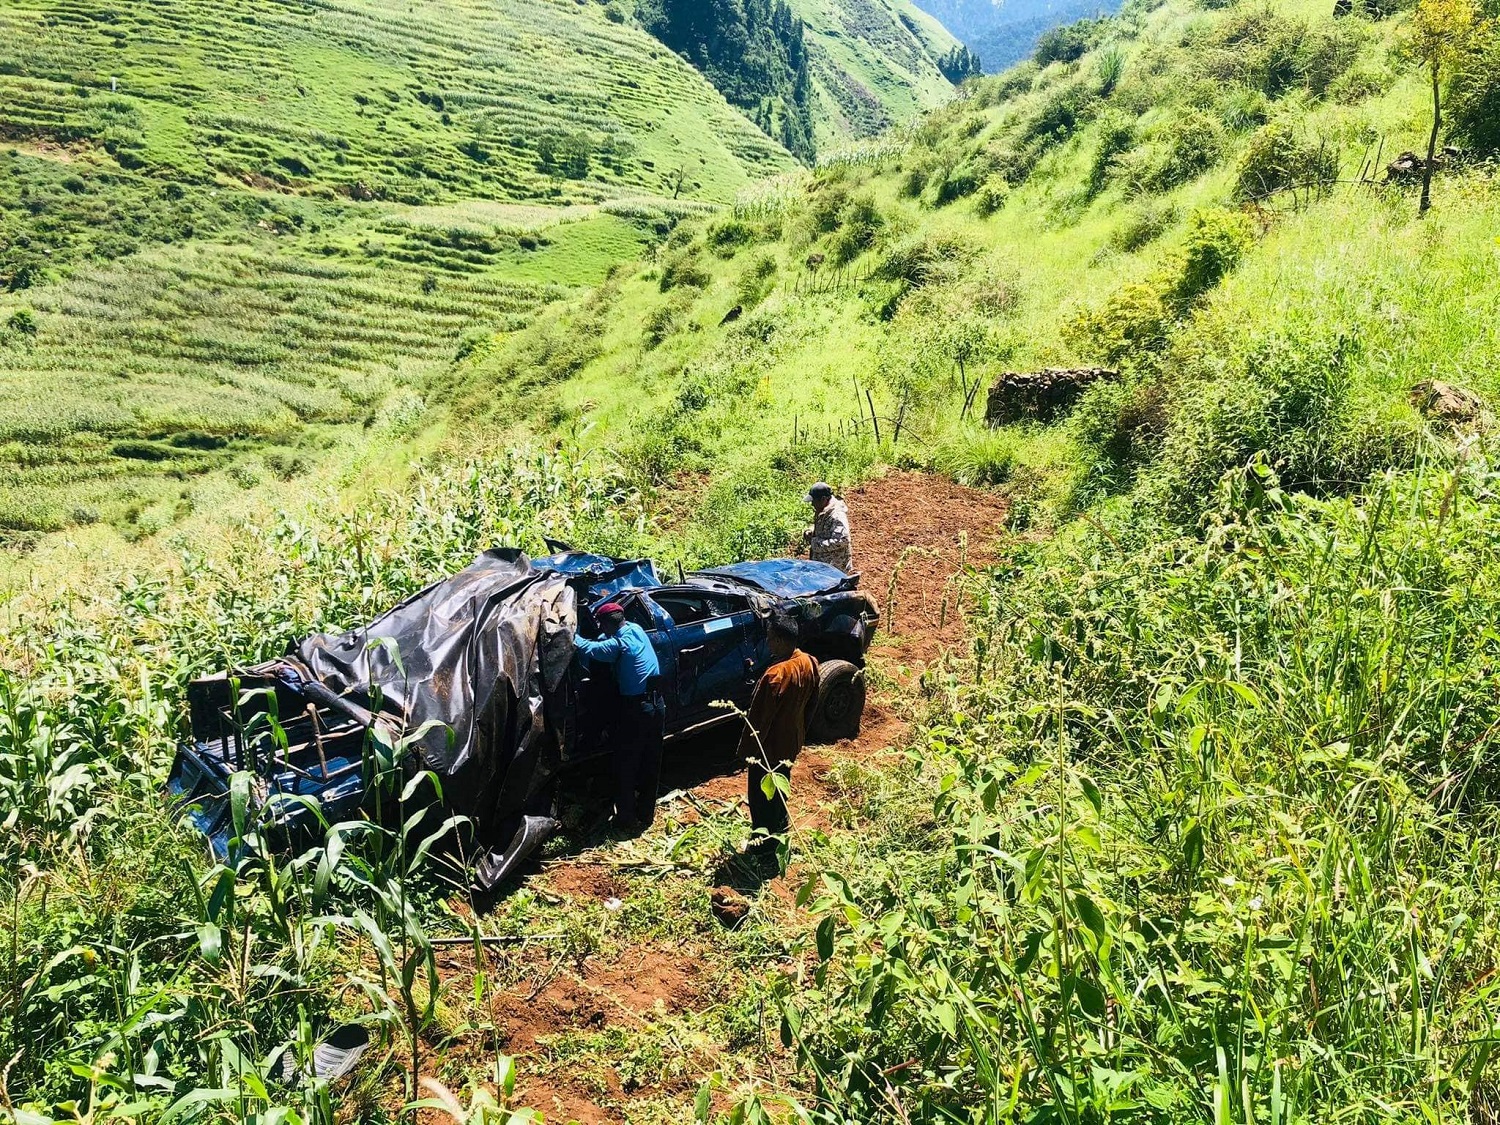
(638, 740)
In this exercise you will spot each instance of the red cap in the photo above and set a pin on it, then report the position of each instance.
(608, 608)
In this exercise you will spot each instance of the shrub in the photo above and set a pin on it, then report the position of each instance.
(991, 198)
(1276, 158)
(826, 209)
(1067, 43)
(1111, 70)
(683, 270)
(1288, 399)
(1179, 151)
(914, 181)
(244, 476)
(285, 465)
(919, 260)
(1060, 115)
(1142, 226)
(1133, 322)
(1116, 134)
(726, 238)
(860, 222)
(1243, 108)
(197, 439)
(662, 322)
(22, 322)
(1219, 238)
(979, 459)
(1474, 101)
(756, 282)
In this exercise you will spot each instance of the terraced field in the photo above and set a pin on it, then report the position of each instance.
(375, 98)
(227, 227)
(141, 373)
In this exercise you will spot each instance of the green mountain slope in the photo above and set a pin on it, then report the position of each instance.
(873, 64)
(223, 226)
(1085, 213)
(1198, 827)
(371, 98)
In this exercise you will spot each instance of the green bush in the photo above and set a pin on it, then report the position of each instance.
(1243, 108)
(1143, 225)
(1474, 99)
(286, 465)
(1217, 241)
(859, 223)
(756, 282)
(1132, 323)
(662, 322)
(1288, 398)
(22, 322)
(981, 458)
(1118, 427)
(1136, 320)
(1070, 42)
(1116, 135)
(683, 270)
(914, 181)
(1187, 783)
(991, 197)
(922, 259)
(726, 238)
(1277, 158)
(1178, 151)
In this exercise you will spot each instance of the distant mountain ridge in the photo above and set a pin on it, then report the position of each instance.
(1003, 32)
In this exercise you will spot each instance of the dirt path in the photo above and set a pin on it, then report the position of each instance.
(613, 1030)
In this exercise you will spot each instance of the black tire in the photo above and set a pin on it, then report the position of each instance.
(841, 702)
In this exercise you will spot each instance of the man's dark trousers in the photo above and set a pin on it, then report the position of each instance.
(770, 812)
(637, 757)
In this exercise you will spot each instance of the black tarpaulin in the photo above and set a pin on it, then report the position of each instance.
(484, 656)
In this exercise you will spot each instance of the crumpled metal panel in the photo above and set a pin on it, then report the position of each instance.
(605, 576)
(788, 578)
(483, 657)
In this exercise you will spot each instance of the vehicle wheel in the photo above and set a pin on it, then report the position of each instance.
(841, 702)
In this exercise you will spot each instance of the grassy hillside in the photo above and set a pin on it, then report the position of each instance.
(873, 65)
(224, 228)
(1212, 790)
(453, 100)
(1199, 827)
(1132, 208)
(127, 383)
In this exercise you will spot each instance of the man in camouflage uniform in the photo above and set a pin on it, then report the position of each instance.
(828, 539)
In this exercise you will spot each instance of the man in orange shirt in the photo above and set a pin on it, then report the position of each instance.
(779, 713)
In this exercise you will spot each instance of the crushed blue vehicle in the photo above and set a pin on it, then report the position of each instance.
(475, 678)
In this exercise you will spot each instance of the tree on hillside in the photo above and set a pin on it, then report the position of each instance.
(959, 65)
(754, 51)
(1441, 35)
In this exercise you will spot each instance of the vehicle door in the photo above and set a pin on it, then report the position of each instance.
(713, 641)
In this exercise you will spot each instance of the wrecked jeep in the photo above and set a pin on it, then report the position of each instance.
(475, 680)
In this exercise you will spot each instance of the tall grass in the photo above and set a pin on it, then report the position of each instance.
(136, 980)
(1210, 834)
